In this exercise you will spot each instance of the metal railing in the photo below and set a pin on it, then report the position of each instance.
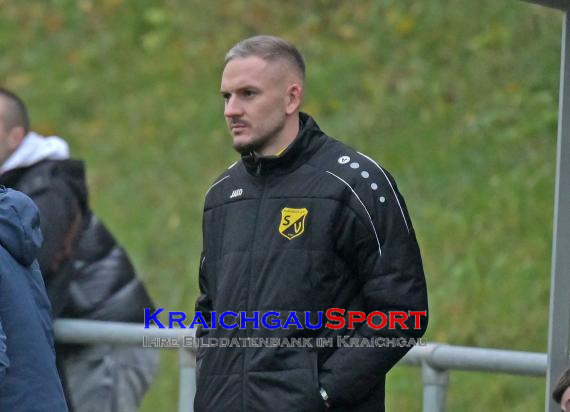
(435, 360)
(118, 333)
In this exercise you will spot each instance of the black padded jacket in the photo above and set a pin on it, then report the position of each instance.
(97, 281)
(321, 226)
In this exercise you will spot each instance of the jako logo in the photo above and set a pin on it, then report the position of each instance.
(236, 193)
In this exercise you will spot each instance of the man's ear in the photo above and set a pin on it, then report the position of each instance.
(15, 137)
(294, 98)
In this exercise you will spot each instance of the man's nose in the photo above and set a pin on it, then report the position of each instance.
(232, 108)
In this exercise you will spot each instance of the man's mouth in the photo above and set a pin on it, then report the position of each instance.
(237, 127)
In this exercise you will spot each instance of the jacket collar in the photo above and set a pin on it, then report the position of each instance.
(307, 142)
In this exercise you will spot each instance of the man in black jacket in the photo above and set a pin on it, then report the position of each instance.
(302, 224)
(88, 275)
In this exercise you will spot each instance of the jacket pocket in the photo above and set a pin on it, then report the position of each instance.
(316, 381)
(291, 390)
(218, 393)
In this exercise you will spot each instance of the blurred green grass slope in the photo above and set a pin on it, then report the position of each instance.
(457, 99)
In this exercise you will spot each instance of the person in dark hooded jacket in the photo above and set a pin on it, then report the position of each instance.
(88, 275)
(29, 381)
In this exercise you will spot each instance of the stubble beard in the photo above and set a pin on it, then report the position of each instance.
(257, 144)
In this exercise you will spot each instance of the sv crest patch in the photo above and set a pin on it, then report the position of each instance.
(292, 222)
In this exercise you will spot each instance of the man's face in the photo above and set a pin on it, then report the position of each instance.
(255, 108)
(4, 132)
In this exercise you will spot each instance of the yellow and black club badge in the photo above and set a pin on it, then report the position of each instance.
(292, 222)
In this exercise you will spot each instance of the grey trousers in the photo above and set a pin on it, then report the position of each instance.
(106, 378)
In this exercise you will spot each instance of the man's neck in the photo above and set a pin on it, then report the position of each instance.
(286, 137)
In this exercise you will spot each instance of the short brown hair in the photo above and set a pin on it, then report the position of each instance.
(17, 114)
(269, 48)
(561, 386)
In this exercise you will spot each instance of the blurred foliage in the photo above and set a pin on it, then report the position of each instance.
(457, 99)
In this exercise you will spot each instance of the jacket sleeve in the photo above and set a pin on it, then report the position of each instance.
(4, 361)
(378, 242)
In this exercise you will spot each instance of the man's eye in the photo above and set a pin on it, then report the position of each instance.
(249, 93)
(226, 96)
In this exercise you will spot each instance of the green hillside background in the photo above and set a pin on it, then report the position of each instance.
(458, 99)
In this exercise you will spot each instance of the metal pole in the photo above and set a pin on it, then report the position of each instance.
(464, 358)
(484, 360)
(559, 325)
(435, 388)
(187, 389)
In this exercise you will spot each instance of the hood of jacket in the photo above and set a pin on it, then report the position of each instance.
(38, 162)
(20, 232)
(35, 148)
